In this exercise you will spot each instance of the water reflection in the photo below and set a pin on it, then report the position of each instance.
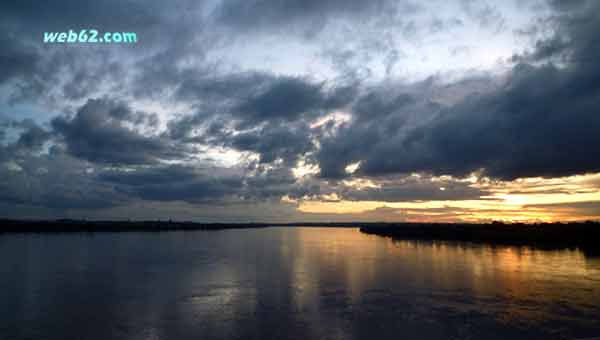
(290, 283)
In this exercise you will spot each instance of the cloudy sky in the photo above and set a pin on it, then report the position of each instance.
(312, 110)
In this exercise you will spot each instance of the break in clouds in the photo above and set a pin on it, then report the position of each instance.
(256, 110)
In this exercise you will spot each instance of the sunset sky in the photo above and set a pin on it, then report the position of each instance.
(311, 110)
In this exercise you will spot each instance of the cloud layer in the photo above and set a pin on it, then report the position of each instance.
(244, 104)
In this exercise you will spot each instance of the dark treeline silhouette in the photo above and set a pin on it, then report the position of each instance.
(71, 225)
(567, 235)
(572, 234)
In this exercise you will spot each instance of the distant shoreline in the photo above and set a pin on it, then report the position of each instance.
(572, 234)
(555, 235)
(69, 225)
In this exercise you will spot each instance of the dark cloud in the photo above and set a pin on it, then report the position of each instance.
(382, 116)
(270, 183)
(314, 14)
(34, 137)
(98, 133)
(16, 59)
(54, 181)
(55, 72)
(284, 142)
(569, 5)
(66, 14)
(286, 98)
(539, 125)
(542, 122)
(206, 86)
(145, 176)
(254, 98)
(539, 119)
(414, 189)
(348, 146)
(269, 114)
(26, 138)
(175, 183)
(202, 185)
(29, 135)
(375, 105)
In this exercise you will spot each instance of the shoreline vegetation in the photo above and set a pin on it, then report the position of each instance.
(563, 235)
(585, 235)
(71, 225)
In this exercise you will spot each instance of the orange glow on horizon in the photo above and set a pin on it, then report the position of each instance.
(522, 200)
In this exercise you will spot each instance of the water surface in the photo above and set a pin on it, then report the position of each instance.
(290, 283)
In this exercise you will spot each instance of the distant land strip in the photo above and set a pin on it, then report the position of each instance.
(71, 225)
(561, 235)
(572, 234)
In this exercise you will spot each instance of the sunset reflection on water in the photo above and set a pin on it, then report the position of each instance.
(295, 283)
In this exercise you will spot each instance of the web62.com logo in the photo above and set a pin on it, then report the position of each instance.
(90, 36)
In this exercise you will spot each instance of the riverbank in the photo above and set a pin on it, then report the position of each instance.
(66, 226)
(576, 234)
(580, 234)
(70, 225)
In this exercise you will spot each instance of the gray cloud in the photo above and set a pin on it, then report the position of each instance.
(97, 133)
(283, 142)
(271, 183)
(34, 137)
(261, 14)
(541, 123)
(382, 117)
(16, 60)
(538, 119)
(414, 189)
(54, 181)
(487, 15)
(254, 98)
(285, 99)
(175, 183)
(543, 115)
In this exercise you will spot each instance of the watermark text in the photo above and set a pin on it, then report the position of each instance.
(90, 36)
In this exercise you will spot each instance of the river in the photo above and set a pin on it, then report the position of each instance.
(290, 283)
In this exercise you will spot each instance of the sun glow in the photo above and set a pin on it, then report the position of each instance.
(522, 200)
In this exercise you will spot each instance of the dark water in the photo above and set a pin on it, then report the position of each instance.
(289, 283)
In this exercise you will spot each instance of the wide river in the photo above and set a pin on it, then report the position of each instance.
(289, 283)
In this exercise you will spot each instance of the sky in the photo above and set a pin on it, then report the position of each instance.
(313, 110)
